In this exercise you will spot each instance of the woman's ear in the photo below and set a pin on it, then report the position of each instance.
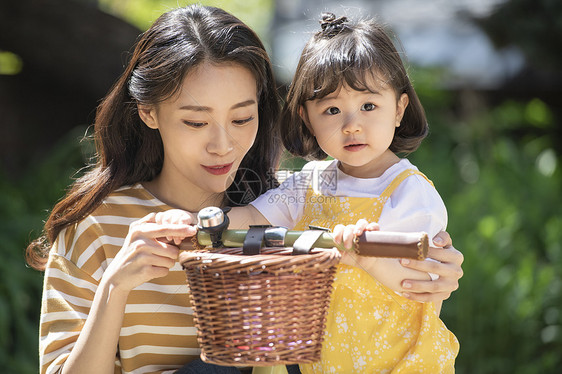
(147, 114)
(304, 116)
(401, 106)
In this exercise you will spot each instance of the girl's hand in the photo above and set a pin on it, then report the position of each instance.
(346, 234)
(447, 266)
(144, 256)
(176, 217)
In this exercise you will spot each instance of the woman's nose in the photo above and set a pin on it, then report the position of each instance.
(220, 142)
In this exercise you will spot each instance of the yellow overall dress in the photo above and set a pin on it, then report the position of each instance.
(370, 328)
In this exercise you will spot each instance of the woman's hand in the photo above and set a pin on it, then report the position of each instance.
(447, 266)
(146, 254)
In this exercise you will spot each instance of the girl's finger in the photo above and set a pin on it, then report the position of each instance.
(337, 233)
(372, 226)
(348, 236)
(360, 227)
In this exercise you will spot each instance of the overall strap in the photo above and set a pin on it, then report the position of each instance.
(399, 179)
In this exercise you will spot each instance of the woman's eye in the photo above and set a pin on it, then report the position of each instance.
(368, 107)
(243, 121)
(333, 110)
(194, 124)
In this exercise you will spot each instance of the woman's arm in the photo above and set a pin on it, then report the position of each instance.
(141, 259)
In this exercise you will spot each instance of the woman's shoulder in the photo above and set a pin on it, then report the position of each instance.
(108, 224)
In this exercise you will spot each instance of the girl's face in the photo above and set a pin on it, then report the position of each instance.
(357, 127)
(206, 128)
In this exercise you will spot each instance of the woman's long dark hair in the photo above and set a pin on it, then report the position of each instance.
(128, 151)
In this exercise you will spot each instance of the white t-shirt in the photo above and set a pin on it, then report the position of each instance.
(414, 205)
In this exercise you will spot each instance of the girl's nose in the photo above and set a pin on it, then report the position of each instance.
(221, 142)
(352, 124)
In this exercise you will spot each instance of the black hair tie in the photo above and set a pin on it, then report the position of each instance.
(332, 26)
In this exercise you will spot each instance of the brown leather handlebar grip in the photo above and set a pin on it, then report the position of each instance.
(393, 244)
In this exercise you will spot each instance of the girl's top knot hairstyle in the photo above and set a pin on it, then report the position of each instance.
(331, 25)
(360, 55)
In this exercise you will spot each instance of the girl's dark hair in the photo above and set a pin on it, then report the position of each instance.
(129, 152)
(352, 54)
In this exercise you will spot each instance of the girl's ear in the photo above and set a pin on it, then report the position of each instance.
(304, 116)
(147, 114)
(401, 106)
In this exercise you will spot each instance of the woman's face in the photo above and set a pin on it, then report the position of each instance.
(206, 128)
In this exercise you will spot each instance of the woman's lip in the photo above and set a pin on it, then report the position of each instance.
(355, 147)
(218, 169)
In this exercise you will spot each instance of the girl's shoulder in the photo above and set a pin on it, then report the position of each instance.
(320, 166)
(308, 175)
(410, 175)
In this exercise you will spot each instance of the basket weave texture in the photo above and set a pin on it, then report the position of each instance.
(260, 310)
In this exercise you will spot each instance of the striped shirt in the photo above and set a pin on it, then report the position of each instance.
(158, 333)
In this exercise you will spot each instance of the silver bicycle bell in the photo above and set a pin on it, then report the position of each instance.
(214, 221)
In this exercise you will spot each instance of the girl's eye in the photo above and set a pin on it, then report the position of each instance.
(333, 110)
(368, 107)
(243, 121)
(194, 124)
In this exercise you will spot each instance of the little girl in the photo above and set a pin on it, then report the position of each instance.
(351, 99)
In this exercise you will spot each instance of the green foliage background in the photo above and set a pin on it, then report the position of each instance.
(497, 168)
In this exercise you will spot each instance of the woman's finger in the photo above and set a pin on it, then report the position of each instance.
(446, 255)
(427, 297)
(440, 285)
(154, 230)
(443, 269)
(164, 250)
(442, 239)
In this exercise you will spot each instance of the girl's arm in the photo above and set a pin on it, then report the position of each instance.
(141, 259)
(244, 216)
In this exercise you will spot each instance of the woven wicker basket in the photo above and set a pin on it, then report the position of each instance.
(260, 310)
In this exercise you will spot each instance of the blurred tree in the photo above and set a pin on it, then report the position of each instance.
(535, 27)
(71, 52)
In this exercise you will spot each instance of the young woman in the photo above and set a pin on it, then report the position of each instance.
(196, 102)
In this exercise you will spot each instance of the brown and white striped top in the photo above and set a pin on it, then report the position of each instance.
(158, 333)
